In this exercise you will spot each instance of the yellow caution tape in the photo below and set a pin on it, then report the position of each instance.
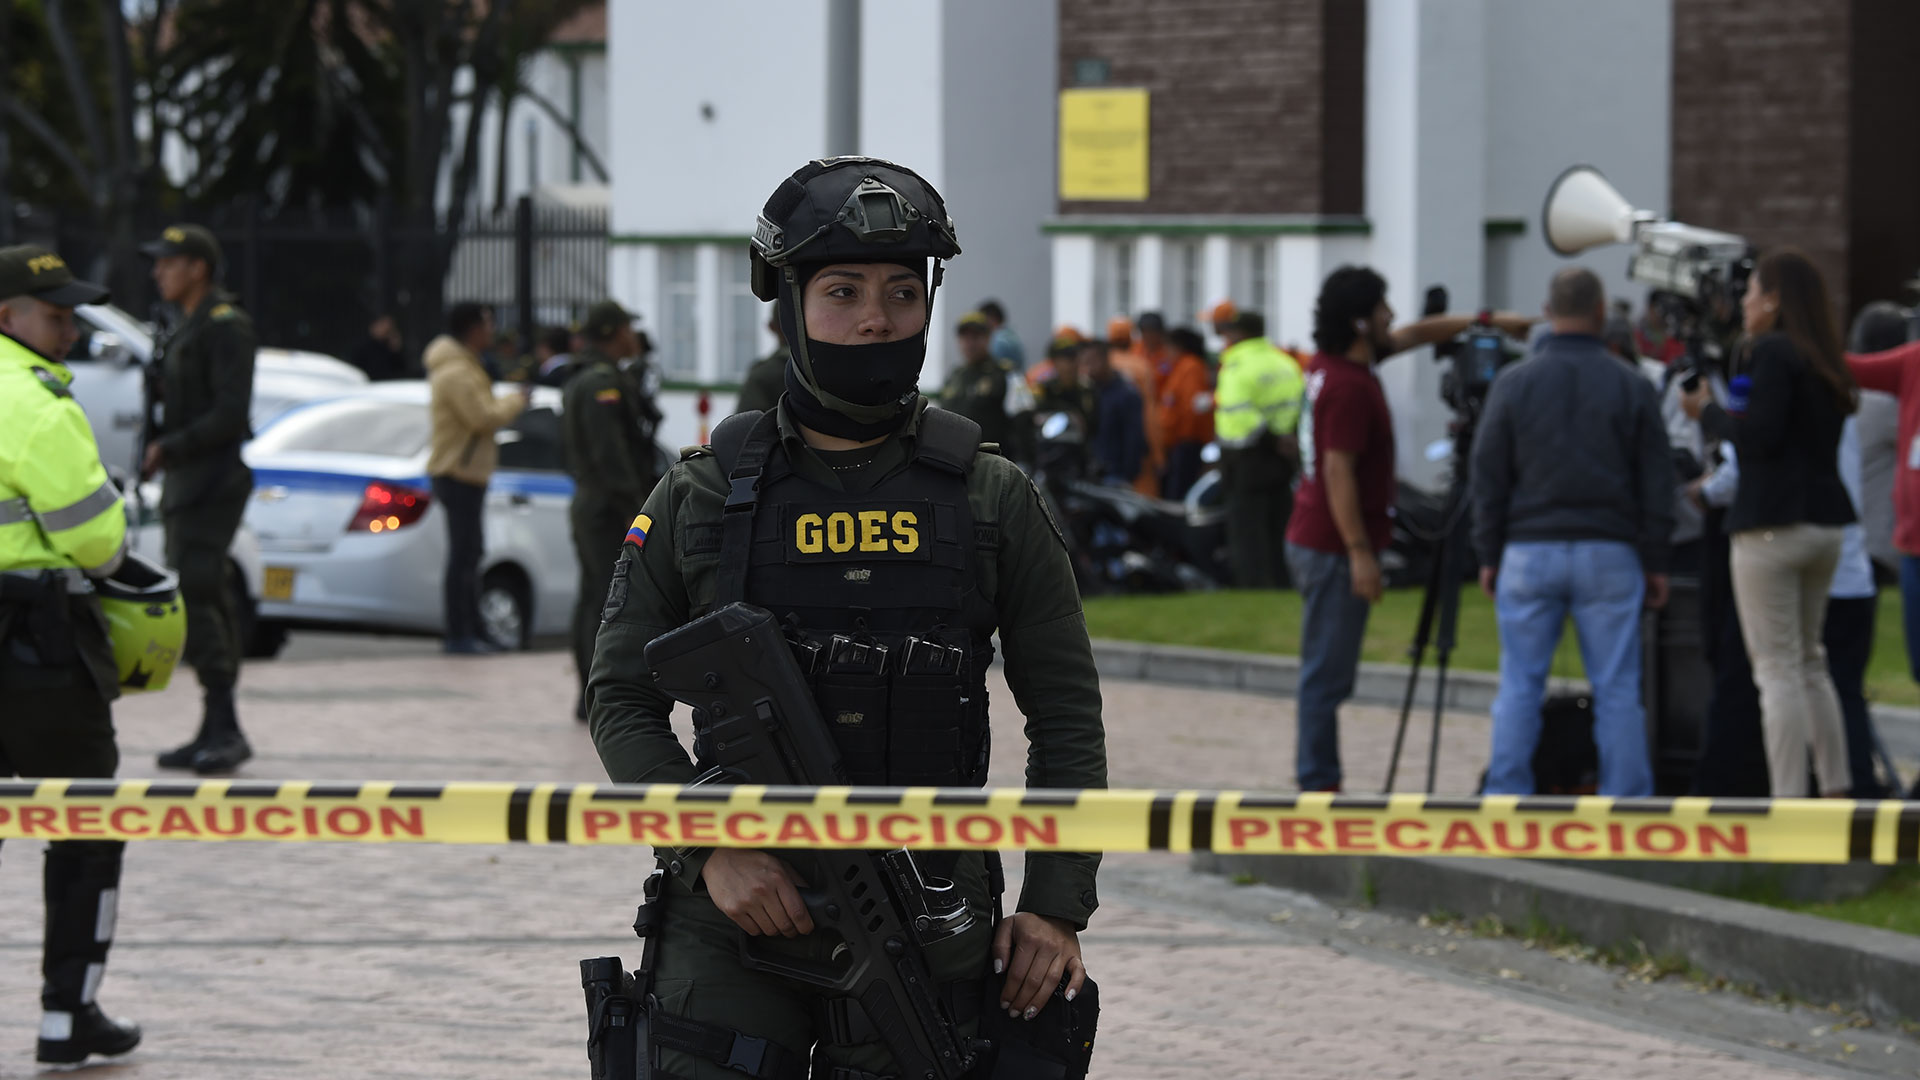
(1239, 822)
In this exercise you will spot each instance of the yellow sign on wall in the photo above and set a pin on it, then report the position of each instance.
(1103, 144)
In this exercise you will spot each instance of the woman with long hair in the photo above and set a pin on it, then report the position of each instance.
(1787, 517)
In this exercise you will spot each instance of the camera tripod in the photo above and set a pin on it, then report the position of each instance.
(1440, 603)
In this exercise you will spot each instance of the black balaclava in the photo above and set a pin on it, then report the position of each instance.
(881, 380)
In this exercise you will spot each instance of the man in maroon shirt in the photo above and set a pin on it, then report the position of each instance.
(1340, 510)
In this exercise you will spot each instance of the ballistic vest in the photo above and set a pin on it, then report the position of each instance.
(876, 592)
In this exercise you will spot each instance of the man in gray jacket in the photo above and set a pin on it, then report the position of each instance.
(1572, 489)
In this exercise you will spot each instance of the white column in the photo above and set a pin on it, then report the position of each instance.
(1216, 280)
(1298, 279)
(1426, 187)
(633, 278)
(1072, 288)
(706, 272)
(1149, 271)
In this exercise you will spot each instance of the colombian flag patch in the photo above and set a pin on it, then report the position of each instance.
(607, 396)
(637, 533)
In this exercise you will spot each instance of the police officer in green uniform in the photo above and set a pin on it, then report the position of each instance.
(63, 528)
(604, 430)
(986, 389)
(945, 541)
(206, 387)
(767, 379)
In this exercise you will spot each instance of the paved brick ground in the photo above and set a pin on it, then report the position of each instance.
(257, 960)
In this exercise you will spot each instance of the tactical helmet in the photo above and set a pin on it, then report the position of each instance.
(145, 622)
(846, 209)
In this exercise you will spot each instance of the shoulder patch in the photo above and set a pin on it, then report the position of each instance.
(609, 396)
(52, 382)
(223, 312)
(617, 588)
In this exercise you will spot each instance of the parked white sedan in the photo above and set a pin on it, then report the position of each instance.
(351, 537)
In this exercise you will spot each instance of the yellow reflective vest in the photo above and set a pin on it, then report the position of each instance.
(57, 507)
(1259, 391)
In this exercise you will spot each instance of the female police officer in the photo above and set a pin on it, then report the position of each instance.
(868, 514)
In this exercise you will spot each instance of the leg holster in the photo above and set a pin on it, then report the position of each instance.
(626, 1027)
(82, 894)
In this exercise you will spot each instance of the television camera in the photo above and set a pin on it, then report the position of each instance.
(1696, 275)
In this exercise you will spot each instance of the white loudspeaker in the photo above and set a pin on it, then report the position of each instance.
(1583, 211)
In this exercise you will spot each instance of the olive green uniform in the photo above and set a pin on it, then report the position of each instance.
(611, 461)
(1049, 666)
(207, 388)
(978, 391)
(766, 380)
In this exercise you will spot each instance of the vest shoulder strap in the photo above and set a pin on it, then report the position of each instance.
(948, 440)
(730, 436)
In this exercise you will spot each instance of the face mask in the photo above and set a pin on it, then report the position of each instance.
(857, 391)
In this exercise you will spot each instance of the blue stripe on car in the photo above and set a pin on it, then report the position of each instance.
(510, 481)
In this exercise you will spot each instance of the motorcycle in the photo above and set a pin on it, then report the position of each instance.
(1120, 540)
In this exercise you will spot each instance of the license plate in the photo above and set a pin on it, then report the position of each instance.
(278, 583)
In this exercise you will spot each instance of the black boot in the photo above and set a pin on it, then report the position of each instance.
(215, 699)
(224, 749)
(66, 1038)
(82, 888)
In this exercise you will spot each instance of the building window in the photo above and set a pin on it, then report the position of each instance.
(1112, 283)
(679, 311)
(740, 315)
(1250, 276)
(1180, 281)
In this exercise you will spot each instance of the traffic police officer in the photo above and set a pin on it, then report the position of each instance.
(845, 246)
(1257, 408)
(62, 526)
(206, 388)
(605, 430)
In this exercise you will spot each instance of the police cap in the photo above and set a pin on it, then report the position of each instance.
(605, 319)
(190, 240)
(29, 270)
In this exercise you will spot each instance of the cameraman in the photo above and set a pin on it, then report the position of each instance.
(1572, 507)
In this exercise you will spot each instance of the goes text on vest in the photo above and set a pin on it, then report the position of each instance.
(892, 531)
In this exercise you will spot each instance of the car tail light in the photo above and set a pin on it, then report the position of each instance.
(386, 507)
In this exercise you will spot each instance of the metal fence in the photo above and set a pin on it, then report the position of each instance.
(315, 279)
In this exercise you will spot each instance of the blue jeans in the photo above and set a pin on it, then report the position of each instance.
(1599, 583)
(1333, 623)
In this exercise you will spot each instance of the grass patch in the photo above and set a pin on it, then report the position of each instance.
(1894, 904)
(1269, 622)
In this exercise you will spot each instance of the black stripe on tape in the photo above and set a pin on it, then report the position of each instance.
(1160, 823)
(1906, 847)
(961, 798)
(1202, 835)
(1752, 807)
(517, 813)
(1860, 834)
(1050, 798)
(418, 791)
(1643, 806)
(603, 795)
(1269, 802)
(93, 789)
(1539, 804)
(1452, 803)
(883, 797)
(254, 789)
(14, 789)
(1359, 802)
(334, 791)
(557, 814)
(804, 798)
(172, 789)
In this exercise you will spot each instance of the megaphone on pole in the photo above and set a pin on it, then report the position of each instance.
(1583, 211)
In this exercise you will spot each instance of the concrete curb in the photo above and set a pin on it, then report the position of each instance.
(1816, 960)
(1378, 684)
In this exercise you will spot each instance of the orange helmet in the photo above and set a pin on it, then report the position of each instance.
(1222, 313)
(1119, 330)
(1065, 338)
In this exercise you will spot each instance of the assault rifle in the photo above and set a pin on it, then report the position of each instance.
(758, 724)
